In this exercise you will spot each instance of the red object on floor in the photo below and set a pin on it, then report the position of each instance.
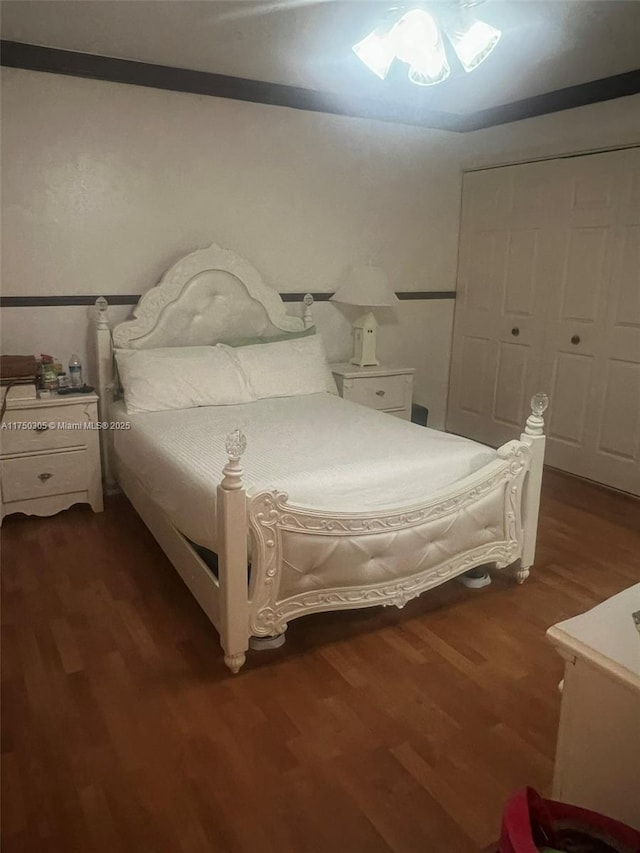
(530, 822)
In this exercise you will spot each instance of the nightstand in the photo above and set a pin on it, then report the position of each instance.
(600, 709)
(388, 389)
(49, 459)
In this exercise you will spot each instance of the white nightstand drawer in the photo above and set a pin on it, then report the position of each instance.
(47, 474)
(377, 392)
(42, 431)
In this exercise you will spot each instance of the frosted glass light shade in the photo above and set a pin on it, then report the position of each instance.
(473, 41)
(376, 51)
(367, 286)
(417, 41)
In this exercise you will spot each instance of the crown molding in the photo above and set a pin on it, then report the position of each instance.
(52, 60)
(605, 89)
(55, 61)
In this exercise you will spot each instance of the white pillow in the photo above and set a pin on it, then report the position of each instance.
(155, 380)
(285, 368)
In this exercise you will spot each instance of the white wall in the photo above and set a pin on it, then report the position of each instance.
(105, 185)
(609, 124)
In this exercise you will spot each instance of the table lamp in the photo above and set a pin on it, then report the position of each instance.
(369, 287)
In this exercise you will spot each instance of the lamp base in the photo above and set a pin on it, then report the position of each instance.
(362, 363)
(364, 341)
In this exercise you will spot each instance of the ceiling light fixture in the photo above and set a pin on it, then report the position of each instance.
(416, 39)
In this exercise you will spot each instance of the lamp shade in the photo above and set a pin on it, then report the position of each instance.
(418, 42)
(376, 51)
(473, 41)
(367, 286)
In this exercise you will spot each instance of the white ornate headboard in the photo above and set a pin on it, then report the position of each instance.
(207, 297)
(210, 296)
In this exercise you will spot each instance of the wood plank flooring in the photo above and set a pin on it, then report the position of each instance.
(375, 730)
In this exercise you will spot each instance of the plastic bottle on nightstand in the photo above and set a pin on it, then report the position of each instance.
(75, 372)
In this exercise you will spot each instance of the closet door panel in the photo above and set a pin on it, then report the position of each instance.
(584, 274)
(569, 389)
(627, 302)
(615, 456)
(477, 353)
(529, 269)
(483, 256)
(580, 284)
(521, 273)
(505, 265)
(511, 383)
(619, 434)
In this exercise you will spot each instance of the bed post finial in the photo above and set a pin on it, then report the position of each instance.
(102, 305)
(307, 314)
(535, 421)
(235, 444)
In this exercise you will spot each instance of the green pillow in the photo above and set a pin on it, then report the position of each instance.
(272, 339)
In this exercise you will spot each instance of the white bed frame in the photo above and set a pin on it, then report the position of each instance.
(213, 295)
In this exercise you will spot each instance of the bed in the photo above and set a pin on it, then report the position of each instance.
(340, 507)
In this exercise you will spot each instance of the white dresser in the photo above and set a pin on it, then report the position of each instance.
(598, 753)
(388, 389)
(49, 455)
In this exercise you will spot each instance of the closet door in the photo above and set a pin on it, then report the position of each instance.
(509, 243)
(616, 451)
(591, 364)
(573, 295)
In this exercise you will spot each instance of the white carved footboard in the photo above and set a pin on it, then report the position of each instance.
(305, 561)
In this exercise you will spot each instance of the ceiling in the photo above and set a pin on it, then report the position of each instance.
(546, 44)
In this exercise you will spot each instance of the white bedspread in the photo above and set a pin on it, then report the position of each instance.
(325, 452)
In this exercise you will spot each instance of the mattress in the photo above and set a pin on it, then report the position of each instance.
(324, 452)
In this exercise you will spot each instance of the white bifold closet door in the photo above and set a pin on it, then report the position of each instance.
(549, 300)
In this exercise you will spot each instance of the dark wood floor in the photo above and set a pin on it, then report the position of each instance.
(370, 731)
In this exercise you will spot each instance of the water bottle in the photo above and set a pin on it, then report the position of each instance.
(75, 372)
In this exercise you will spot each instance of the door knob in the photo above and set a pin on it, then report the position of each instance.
(575, 339)
(45, 476)
(515, 331)
(380, 393)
